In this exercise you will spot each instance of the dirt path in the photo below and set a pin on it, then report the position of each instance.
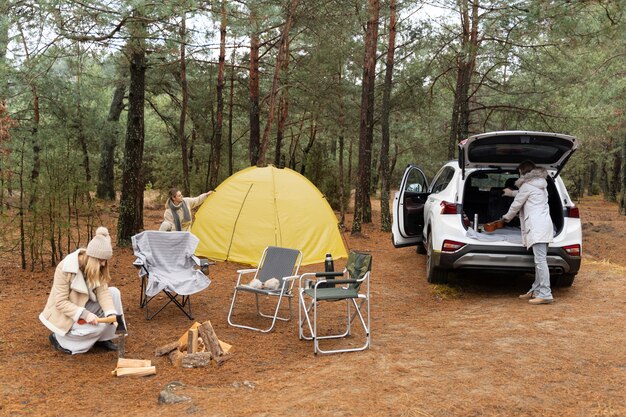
(466, 349)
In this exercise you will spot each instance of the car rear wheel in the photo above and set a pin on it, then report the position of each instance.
(434, 275)
(564, 280)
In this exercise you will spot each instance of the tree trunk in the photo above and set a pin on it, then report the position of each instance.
(342, 187)
(255, 126)
(130, 219)
(283, 111)
(82, 140)
(34, 138)
(385, 216)
(231, 97)
(182, 137)
(362, 205)
(615, 183)
(622, 199)
(216, 149)
(466, 62)
(342, 129)
(280, 56)
(591, 177)
(106, 174)
(293, 147)
(309, 145)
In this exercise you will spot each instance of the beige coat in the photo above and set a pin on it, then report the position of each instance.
(70, 294)
(531, 205)
(168, 224)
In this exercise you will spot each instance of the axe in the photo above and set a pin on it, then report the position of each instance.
(120, 331)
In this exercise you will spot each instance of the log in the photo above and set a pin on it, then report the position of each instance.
(210, 339)
(201, 346)
(133, 363)
(196, 360)
(166, 349)
(142, 371)
(225, 346)
(182, 342)
(220, 361)
(176, 357)
(192, 341)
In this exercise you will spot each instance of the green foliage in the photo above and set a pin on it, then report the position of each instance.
(552, 66)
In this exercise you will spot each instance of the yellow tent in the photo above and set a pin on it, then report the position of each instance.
(260, 207)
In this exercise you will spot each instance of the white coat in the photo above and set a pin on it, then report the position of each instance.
(70, 294)
(531, 204)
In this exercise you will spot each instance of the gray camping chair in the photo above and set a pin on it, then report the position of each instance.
(279, 263)
(166, 263)
(319, 287)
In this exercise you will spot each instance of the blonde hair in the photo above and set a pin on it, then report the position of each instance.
(170, 196)
(95, 274)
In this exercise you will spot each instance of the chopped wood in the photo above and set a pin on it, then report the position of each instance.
(142, 371)
(225, 346)
(164, 350)
(176, 357)
(201, 346)
(220, 361)
(196, 360)
(133, 363)
(182, 342)
(210, 339)
(192, 341)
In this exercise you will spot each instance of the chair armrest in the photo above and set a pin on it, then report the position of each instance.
(329, 274)
(201, 261)
(336, 281)
(243, 272)
(291, 277)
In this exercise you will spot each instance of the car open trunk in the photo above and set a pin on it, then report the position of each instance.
(483, 201)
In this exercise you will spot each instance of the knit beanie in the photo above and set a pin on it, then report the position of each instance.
(100, 246)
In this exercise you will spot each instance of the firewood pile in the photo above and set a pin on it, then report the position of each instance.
(197, 347)
(133, 367)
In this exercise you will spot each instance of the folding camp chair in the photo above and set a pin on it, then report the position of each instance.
(279, 263)
(166, 263)
(349, 288)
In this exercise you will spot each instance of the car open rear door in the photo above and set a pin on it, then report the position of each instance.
(507, 149)
(408, 208)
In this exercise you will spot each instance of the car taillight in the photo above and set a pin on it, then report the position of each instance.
(572, 250)
(448, 208)
(451, 246)
(573, 212)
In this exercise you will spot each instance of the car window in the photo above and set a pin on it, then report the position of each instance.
(443, 179)
(415, 183)
(486, 181)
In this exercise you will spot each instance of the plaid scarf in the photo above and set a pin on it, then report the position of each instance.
(186, 213)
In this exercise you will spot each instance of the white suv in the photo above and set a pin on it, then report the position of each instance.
(445, 220)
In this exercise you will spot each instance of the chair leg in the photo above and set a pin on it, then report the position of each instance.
(313, 328)
(186, 301)
(274, 317)
(304, 312)
(143, 298)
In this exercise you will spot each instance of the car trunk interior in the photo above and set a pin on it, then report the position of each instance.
(483, 199)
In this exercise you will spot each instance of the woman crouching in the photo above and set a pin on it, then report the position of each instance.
(80, 294)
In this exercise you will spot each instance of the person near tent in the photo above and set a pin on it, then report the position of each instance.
(531, 205)
(80, 295)
(177, 214)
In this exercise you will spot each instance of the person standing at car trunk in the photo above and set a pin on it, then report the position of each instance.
(531, 205)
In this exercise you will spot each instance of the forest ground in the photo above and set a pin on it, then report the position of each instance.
(470, 348)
